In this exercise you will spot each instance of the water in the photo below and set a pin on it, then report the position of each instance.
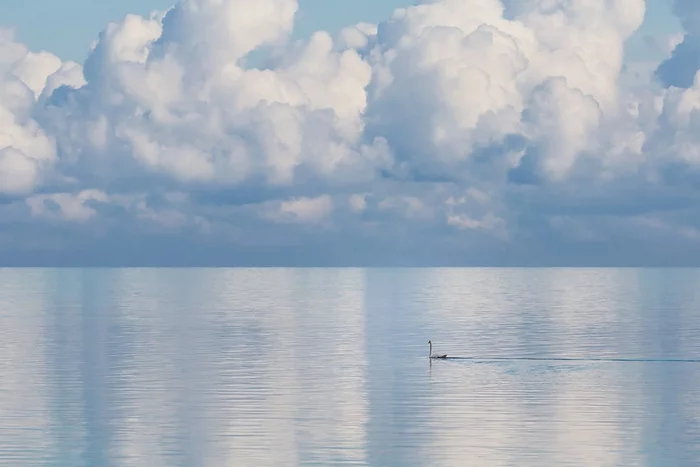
(328, 367)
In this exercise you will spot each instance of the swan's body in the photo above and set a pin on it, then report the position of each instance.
(431, 352)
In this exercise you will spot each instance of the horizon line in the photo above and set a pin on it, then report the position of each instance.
(292, 266)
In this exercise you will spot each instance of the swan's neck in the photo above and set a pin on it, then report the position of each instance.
(431, 349)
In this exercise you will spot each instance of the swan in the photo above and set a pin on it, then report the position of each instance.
(431, 352)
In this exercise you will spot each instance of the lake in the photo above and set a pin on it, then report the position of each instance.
(329, 367)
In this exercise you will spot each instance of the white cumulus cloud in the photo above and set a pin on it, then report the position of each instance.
(457, 129)
(306, 210)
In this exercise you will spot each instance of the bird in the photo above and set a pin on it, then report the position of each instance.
(436, 355)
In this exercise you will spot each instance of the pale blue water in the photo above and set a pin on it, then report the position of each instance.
(326, 367)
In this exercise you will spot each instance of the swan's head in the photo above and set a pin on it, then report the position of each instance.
(430, 342)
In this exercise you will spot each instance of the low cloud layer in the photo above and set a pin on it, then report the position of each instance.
(454, 132)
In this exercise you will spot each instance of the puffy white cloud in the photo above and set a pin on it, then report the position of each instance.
(455, 77)
(303, 210)
(465, 128)
(69, 206)
(472, 212)
(357, 202)
(26, 151)
(173, 97)
(18, 173)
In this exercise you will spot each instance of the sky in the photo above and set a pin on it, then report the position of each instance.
(68, 27)
(277, 132)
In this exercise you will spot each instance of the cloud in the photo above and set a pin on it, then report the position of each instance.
(453, 132)
(460, 79)
(26, 151)
(66, 205)
(302, 210)
(171, 97)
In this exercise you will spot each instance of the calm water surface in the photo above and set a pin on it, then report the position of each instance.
(328, 367)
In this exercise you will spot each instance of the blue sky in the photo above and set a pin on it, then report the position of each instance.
(455, 134)
(67, 27)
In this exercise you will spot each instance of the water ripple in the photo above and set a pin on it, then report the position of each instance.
(329, 367)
